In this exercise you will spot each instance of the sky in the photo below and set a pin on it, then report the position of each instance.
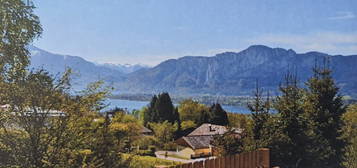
(151, 31)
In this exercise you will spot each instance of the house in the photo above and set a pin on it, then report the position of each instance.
(198, 142)
(145, 131)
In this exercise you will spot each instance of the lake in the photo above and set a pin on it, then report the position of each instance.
(131, 105)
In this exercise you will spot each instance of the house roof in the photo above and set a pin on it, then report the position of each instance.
(203, 135)
(145, 130)
(211, 129)
(197, 142)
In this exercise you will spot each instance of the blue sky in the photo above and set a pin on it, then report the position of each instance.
(150, 31)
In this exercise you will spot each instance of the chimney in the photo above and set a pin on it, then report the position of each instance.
(210, 128)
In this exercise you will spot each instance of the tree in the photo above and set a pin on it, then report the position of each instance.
(190, 110)
(188, 125)
(165, 109)
(51, 127)
(151, 114)
(204, 117)
(325, 108)
(43, 124)
(230, 143)
(164, 131)
(260, 115)
(218, 115)
(291, 126)
(19, 27)
(161, 109)
(350, 135)
(125, 128)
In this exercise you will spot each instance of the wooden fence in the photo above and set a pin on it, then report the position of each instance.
(255, 159)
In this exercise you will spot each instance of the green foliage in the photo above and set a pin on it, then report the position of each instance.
(260, 115)
(350, 135)
(190, 110)
(217, 115)
(146, 142)
(164, 131)
(151, 114)
(188, 125)
(125, 129)
(229, 143)
(290, 126)
(57, 129)
(147, 161)
(19, 27)
(161, 109)
(237, 120)
(306, 130)
(43, 125)
(139, 114)
(324, 109)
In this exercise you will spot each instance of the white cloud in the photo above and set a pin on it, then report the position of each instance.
(328, 42)
(343, 16)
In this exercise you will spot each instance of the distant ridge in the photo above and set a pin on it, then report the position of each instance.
(85, 71)
(232, 73)
(228, 73)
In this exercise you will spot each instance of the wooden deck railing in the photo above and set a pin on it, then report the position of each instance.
(254, 159)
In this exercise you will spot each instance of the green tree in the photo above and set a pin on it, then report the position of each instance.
(229, 143)
(291, 141)
(190, 110)
(43, 124)
(237, 120)
(188, 125)
(19, 27)
(52, 127)
(165, 109)
(164, 131)
(325, 108)
(260, 109)
(218, 115)
(350, 135)
(161, 109)
(151, 114)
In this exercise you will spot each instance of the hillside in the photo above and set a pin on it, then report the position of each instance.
(226, 73)
(232, 73)
(84, 72)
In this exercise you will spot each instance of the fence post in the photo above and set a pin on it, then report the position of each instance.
(254, 159)
(198, 164)
(222, 162)
(264, 157)
(227, 162)
(232, 160)
(236, 160)
(188, 165)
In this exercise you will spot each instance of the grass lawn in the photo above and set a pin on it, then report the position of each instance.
(137, 161)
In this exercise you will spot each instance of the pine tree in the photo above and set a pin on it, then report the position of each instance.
(291, 140)
(165, 109)
(324, 110)
(104, 149)
(204, 117)
(260, 114)
(218, 115)
(161, 109)
(150, 115)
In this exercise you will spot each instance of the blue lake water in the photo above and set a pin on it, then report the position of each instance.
(131, 105)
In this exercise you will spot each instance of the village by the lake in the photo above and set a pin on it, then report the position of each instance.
(178, 84)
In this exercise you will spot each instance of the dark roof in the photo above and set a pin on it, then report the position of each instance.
(211, 129)
(197, 142)
(145, 130)
(203, 135)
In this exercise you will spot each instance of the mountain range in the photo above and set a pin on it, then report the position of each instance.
(228, 73)
(84, 72)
